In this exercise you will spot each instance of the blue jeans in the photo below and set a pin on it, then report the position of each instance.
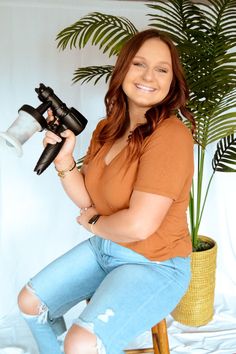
(129, 294)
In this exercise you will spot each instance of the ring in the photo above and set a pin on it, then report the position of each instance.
(83, 209)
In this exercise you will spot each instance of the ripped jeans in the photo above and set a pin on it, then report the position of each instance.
(128, 294)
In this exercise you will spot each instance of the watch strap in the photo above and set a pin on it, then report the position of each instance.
(94, 219)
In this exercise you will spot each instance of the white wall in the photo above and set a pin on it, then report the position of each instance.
(37, 221)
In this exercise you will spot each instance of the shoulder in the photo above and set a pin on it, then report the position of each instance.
(172, 130)
(171, 135)
(173, 125)
(100, 125)
(98, 129)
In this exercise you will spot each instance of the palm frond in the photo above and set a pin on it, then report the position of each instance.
(184, 13)
(226, 103)
(225, 155)
(89, 73)
(212, 126)
(80, 162)
(107, 31)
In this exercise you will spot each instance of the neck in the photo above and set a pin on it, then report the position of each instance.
(136, 119)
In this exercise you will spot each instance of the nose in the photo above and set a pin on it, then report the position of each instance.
(148, 74)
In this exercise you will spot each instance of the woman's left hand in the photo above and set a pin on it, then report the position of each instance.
(85, 216)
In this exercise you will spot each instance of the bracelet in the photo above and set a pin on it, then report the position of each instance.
(91, 228)
(62, 173)
(93, 221)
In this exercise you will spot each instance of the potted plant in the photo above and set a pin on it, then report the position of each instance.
(204, 33)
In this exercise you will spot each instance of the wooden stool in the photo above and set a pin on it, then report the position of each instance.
(159, 340)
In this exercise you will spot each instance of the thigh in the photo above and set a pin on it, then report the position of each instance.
(69, 279)
(134, 297)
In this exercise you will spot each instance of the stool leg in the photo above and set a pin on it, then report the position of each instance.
(162, 337)
(155, 340)
(159, 339)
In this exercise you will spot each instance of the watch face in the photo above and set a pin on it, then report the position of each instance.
(94, 219)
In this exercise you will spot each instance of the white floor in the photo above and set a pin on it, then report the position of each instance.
(14, 332)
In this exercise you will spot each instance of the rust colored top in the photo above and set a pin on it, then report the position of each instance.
(165, 167)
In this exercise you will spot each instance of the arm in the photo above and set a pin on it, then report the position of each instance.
(73, 184)
(143, 217)
(73, 181)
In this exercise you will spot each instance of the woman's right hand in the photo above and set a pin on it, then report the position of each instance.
(65, 156)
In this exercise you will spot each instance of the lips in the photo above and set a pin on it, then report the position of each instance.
(145, 88)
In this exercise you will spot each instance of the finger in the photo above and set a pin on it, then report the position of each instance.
(49, 141)
(52, 136)
(67, 133)
(50, 116)
(50, 112)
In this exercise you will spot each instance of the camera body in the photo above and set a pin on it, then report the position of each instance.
(70, 118)
(65, 118)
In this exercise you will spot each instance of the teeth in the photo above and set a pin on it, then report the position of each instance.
(145, 88)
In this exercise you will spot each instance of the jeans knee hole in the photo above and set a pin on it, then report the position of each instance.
(90, 327)
(42, 308)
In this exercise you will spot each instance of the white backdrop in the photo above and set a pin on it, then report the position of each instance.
(37, 221)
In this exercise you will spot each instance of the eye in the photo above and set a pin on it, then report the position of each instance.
(162, 70)
(139, 64)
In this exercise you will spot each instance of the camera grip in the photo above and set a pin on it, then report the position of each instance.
(48, 155)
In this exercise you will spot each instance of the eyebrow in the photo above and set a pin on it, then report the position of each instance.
(160, 62)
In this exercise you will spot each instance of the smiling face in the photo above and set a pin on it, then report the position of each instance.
(149, 77)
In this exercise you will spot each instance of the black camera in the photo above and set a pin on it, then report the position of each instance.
(31, 120)
(65, 118)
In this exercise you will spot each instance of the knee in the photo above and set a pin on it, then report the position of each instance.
(28, 302)
(79, 341)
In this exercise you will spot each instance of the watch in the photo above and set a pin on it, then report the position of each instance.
(94, 219)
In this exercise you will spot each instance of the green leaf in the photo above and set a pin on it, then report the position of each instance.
(225, 155)
(89, 73)
(107, 31)
(80, 162)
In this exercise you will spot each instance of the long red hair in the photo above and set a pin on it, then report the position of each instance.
(116, 104)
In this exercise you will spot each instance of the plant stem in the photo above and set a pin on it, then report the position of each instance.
(201, 159)
(205, 198)
(191, 208)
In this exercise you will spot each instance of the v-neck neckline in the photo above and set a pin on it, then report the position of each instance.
(115, 157)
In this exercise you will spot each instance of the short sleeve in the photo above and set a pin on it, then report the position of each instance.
(166, 162)
(94, 145)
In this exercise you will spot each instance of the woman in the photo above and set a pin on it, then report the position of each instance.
(133, 192)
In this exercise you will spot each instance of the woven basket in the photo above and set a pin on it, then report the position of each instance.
(196, 308)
